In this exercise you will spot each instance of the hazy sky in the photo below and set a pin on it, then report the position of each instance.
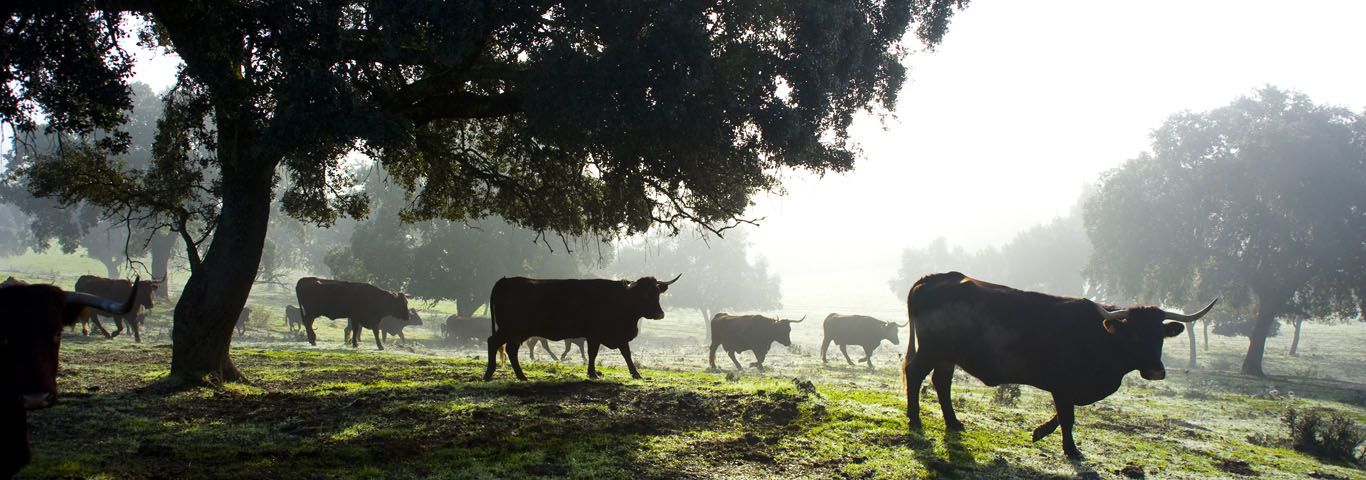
(1022, 104)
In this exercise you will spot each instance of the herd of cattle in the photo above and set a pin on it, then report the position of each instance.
(1073, 348)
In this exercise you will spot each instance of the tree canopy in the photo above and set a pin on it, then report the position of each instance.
(596, 117)
(1262, 201)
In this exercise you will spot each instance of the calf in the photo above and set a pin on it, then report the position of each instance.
(738, 333)
(294, 318)
(394, 326)
(864, 331)
(242, 319)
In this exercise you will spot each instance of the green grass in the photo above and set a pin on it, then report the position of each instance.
(420, 410)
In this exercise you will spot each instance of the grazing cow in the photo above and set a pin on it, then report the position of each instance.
(394, 326)
(1074, 348)
(362, 304)
(569, 343)
(604, 312)
(861, 330)
(242, 319)
(119, 288)
(462, 329)
(738, 333)
(294, 318)
(30, 335)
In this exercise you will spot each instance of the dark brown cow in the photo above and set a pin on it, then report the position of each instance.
(861, 330)
(362, 304)
(242, 319)
(30, 336)
(605, 312)
(463, 329)
(1074, 348)
(119, 288)
(738, 333)
(294, 318)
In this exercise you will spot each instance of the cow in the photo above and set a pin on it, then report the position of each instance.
(362, 304)
(119, 288)
(603, 312)
(31, 325)
(1073, 348)
(738, 333)
(861, 330)
(394, 326)
(242, 319)
(569, 344)
(461, 329)
(294, 318)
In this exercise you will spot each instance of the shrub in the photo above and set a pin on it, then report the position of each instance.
(1326, 434)
(1006, 394)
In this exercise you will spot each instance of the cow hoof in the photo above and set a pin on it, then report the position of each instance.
(1073, 454)
(954, 426)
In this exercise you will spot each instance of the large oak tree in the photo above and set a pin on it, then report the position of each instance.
(596, 117)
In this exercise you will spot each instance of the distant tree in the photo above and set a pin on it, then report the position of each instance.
(583, 118)
(1259, 201)
(16, 235)
(718, 274)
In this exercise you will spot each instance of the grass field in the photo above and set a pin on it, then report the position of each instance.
(419, 410)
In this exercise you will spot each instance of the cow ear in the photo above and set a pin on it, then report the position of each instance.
(663, 288)
(1172, 329)
(1111, 325)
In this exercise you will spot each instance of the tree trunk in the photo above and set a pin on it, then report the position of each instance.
(111, 267)
(1190, 334)
(465, 307)
(161, 245)
(1205, 325)
(218, 287)
(1256, 348)
(1295, 343)
(706, 323)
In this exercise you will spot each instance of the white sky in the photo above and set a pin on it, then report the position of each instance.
(1022, 104)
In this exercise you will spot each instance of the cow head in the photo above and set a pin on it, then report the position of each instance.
(890, 331)
(396, 305)
(413, 317)
(31, 334)
(644, 296)
(782, 330)
(1140, 332)
(144, 291)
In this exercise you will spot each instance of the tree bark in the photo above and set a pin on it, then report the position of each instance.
(1190, 334)
(1295, 343)
(1256, 349)
(161, 245)
(111, 267)
(706, 323)
(1204, 324)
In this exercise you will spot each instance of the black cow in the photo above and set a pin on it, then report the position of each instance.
(861, 330)
(242, 319)
(738, 333)
(362, 304)
(604, 312)
(119, 288)
(31, 322)
(1074, 348)
(462, 329)
(394, 326)
(294, 318)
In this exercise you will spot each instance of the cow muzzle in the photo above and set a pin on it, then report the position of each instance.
(1153, 374)
(34, 401)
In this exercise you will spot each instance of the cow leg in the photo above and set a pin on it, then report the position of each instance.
(868, 354)
(593, 359)
(630, 364)
(135, 324)
(565, 354)
(401, 338)
(825, 344)
(378, 344)
(495, 343)
(96, 320)
(512, 348)
(913, 373)
(1046, 428)
(545, 344)
(759, 356)
(711, 356)
(118, 327)
(1066, 418)
(733, 360)
(14, 440)
(943, 388)
(308, 326)
(846, 354)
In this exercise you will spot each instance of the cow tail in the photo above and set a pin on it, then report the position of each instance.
(910, 339)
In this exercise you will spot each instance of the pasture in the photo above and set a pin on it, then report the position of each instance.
(419, 411)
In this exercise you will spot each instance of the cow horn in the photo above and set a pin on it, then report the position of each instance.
(102, 303)
(797, 321)
(903, 325)
(671, 282)
(1181, 317)
(1108, 315)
